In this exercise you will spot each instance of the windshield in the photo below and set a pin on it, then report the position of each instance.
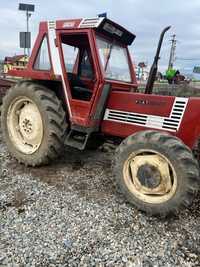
(114, 59)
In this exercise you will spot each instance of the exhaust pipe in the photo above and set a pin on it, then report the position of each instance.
(154, 67)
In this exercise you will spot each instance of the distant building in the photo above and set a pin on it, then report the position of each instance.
(142, 72)
(18, 62)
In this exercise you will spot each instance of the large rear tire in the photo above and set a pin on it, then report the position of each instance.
(156, 172)
(33, 123)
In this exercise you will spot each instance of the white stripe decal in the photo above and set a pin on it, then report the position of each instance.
(91, 22)
(56, 61)
(171, 123)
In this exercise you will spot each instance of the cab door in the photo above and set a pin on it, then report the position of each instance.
(81, 75)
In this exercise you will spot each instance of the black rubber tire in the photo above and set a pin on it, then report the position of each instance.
(53, 118)
(180, 156)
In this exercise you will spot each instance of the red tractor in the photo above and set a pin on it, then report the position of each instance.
(80, 85)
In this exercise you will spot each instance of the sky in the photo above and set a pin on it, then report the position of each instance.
(145, 18)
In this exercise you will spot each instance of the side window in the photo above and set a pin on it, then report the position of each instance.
(85, 68)
(42, 60)
(70, 55)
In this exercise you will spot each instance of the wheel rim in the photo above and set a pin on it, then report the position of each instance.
(24, 123)
(150, 176)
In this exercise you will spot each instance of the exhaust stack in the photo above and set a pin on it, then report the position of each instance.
(154, 67)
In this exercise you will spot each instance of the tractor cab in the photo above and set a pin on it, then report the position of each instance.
(95, 52)
(90, 57)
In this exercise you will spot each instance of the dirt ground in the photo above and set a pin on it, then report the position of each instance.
(70, 214)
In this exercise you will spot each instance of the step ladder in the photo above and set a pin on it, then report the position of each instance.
(77, 139)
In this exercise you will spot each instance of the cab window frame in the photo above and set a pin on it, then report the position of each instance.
(45, 36)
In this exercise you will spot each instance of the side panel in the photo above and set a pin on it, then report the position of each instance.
(127, 113)
(141, 103)
(189, 130)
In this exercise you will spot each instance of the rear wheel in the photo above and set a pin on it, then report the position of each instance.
(33, 123)
(156, 172)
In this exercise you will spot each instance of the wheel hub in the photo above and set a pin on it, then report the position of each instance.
(27, 126)
(149, 176)
(28, 122)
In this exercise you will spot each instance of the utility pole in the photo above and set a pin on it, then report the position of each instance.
(172, 52)
(25, 37)
(27, 28)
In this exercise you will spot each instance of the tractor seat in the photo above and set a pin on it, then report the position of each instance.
(81, 93)
(74, 80)
(79, 90)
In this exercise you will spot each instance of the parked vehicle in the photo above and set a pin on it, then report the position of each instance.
(79, 84)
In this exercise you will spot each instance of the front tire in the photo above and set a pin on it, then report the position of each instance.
(33, 123)
(156, 172)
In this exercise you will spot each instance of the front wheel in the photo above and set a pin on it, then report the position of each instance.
(156, 172)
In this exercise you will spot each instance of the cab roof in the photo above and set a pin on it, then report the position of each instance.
(100, 24)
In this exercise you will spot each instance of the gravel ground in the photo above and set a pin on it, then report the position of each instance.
(70, 214)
